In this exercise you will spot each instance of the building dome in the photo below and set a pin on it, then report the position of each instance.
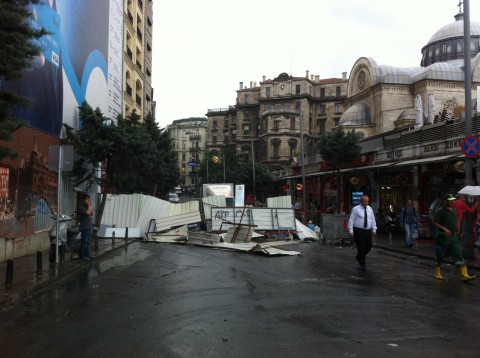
(356, 115)
(447, 43)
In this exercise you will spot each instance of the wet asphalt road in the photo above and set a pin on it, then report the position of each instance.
(166, 300)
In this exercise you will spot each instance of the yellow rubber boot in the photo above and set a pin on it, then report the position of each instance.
(438, 273)
(465, 276)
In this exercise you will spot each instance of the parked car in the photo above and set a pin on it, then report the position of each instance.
(173, 198)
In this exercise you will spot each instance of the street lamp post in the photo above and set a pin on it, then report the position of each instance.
(208, 159)
(302, 156)
(253, 174)
(224, 176)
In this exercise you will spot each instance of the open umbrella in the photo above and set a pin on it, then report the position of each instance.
(470, 190)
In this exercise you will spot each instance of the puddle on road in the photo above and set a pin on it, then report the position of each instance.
(127, 256)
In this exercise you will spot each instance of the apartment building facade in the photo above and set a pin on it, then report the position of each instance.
(189, 143)
(137, 77)
(270, 119)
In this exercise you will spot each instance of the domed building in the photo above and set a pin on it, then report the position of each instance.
(411, 122)
(383, 98)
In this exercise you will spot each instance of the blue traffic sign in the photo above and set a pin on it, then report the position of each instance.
(471, 146)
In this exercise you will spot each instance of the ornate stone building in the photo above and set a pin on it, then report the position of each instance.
(413, 124)
(271, 117)
(382, 98)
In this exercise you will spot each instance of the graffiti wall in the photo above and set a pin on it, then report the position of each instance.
(26, 182)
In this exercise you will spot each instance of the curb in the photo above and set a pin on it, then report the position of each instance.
(64, 270)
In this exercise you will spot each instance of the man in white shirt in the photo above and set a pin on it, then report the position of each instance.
(362, 227)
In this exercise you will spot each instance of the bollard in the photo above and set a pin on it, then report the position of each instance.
(390, 239)
(113, 237)
(126, 234)
(39, 262)
(9, 280)
(95, 239)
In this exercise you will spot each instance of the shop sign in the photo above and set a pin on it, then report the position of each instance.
(459, 166)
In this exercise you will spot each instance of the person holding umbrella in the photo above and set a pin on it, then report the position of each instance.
(462, 207)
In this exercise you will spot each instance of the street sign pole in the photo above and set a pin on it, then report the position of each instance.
(468, 248)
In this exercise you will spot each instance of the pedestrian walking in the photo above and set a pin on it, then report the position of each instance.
(447, 243)
(362, 227)
(298, 204)
(409, 220)
(85, 212)
(462, 207)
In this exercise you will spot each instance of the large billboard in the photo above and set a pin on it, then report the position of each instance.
(81, 60)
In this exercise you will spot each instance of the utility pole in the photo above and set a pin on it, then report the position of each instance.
(468, 244)
(302, 156)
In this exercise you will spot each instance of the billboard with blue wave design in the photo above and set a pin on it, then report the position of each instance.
(81, 60)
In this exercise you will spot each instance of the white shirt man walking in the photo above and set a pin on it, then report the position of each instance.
(362, 227)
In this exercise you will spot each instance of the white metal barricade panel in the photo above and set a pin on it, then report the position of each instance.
(260, 218)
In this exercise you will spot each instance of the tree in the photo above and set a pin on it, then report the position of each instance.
(18, 49)
(337, 148)
(133, 157)
(236, 171)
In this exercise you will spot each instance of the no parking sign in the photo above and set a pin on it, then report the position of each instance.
(471, 146)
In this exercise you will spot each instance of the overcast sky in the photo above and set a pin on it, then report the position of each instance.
(202, 49)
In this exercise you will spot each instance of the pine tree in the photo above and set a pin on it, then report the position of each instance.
(17, 50)
(133, 156)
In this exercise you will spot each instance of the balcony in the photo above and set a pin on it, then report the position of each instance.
(195, 136)
(130, 16)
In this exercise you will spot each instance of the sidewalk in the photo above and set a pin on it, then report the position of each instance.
(28, 276)
(425, 249)
(26, 280)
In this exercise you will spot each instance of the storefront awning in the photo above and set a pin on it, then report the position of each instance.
(429, 160)
(331, 172)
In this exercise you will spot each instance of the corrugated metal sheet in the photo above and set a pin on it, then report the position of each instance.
(262, 218)
(121, 210)
(136, 210)
(280, 202)
(212, 201)
(152, 208)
